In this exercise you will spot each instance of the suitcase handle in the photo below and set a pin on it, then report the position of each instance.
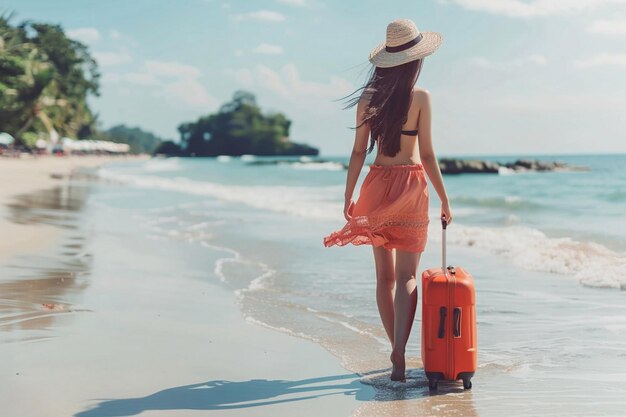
(444, 225)
(457, 321)
(442, 322)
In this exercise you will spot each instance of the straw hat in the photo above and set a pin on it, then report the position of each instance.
(404, 43)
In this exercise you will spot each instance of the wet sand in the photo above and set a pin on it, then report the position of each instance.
(25, 175)
(97, 319)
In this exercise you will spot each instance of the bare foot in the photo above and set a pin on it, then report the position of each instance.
(399, 367)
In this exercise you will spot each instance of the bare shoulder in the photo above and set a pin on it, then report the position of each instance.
(366, 97)
(362, 104)
(422, 97)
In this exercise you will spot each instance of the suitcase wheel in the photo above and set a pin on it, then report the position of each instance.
(432, 384)
(467, 384)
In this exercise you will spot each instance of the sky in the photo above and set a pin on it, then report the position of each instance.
(511, 76)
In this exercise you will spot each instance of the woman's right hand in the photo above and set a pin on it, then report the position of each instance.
(348, 207)
(446, 212)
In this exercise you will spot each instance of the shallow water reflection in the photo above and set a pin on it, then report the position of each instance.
(39, 291)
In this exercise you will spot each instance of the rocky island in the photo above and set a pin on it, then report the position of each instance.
(465, 166)
(452, 165)
(238, 128)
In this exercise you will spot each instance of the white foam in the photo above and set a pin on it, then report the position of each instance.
(590, 263)
(318, 166)
(384, 342)
(224, 158)
(256, 284)
(512, 199)
(310, 202)
(505, 171)
(161, 165)
(259, 282)
(251, 319)
(218, 269)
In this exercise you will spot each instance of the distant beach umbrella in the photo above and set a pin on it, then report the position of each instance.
(6, 139)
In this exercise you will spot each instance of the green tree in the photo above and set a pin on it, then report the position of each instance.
(42, 71)
(239, 127)
(139, 140)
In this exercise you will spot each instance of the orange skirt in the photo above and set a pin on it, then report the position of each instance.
(391, 211)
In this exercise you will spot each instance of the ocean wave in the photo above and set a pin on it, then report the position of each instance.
(614, 197)
(309, 202)
(508, 202)
(318, 166)
(282, 329)
(161, 165)
(592, 264)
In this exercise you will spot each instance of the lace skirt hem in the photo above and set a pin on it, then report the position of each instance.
(406, 233)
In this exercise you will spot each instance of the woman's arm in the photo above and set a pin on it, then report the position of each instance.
(427, 153)
(357, 158)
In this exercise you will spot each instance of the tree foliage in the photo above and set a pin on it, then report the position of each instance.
(139, 140)
(238, 128)
(44, 71)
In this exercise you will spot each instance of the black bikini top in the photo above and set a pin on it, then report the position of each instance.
(409, 132)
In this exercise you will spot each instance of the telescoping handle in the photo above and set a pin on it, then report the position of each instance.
(444, 225)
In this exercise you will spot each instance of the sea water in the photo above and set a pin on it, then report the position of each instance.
(547, 251)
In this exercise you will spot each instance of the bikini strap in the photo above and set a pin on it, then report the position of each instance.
(410, 132)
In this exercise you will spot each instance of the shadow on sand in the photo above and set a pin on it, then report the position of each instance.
(226, 395)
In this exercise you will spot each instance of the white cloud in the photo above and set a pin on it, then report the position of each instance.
(169, 81)
(533, 8)
(261, 15)
(299, 3)
(543, 102)
(615, 27)
(85, 35)
(603, 59)
(171, 69)
(485, 63)
(139, 78)
(287, 83)
(189, 91)
(244, 76)
(115, 35)
(109, 59)
(269, 49)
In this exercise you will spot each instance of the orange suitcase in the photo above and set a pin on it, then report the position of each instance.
(448, 323)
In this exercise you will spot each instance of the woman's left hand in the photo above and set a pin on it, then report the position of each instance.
(348, 208)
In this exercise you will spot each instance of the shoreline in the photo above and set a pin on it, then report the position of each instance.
(27, 175)
(189, 345)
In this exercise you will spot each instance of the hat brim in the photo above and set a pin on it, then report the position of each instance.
(429, 44)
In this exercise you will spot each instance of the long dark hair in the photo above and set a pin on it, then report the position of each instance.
(389, 92)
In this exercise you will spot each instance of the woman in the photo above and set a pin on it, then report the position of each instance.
(391, 213)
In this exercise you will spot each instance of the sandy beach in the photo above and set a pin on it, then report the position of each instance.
(200, 287)
(111, 335)
(25, 175)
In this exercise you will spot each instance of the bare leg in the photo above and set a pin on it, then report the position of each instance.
(385, 281)
(405, 303)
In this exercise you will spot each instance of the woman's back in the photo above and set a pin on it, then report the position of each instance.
(409, 145)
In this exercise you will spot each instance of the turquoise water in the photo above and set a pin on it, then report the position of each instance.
(547, 251)
(566, 222)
